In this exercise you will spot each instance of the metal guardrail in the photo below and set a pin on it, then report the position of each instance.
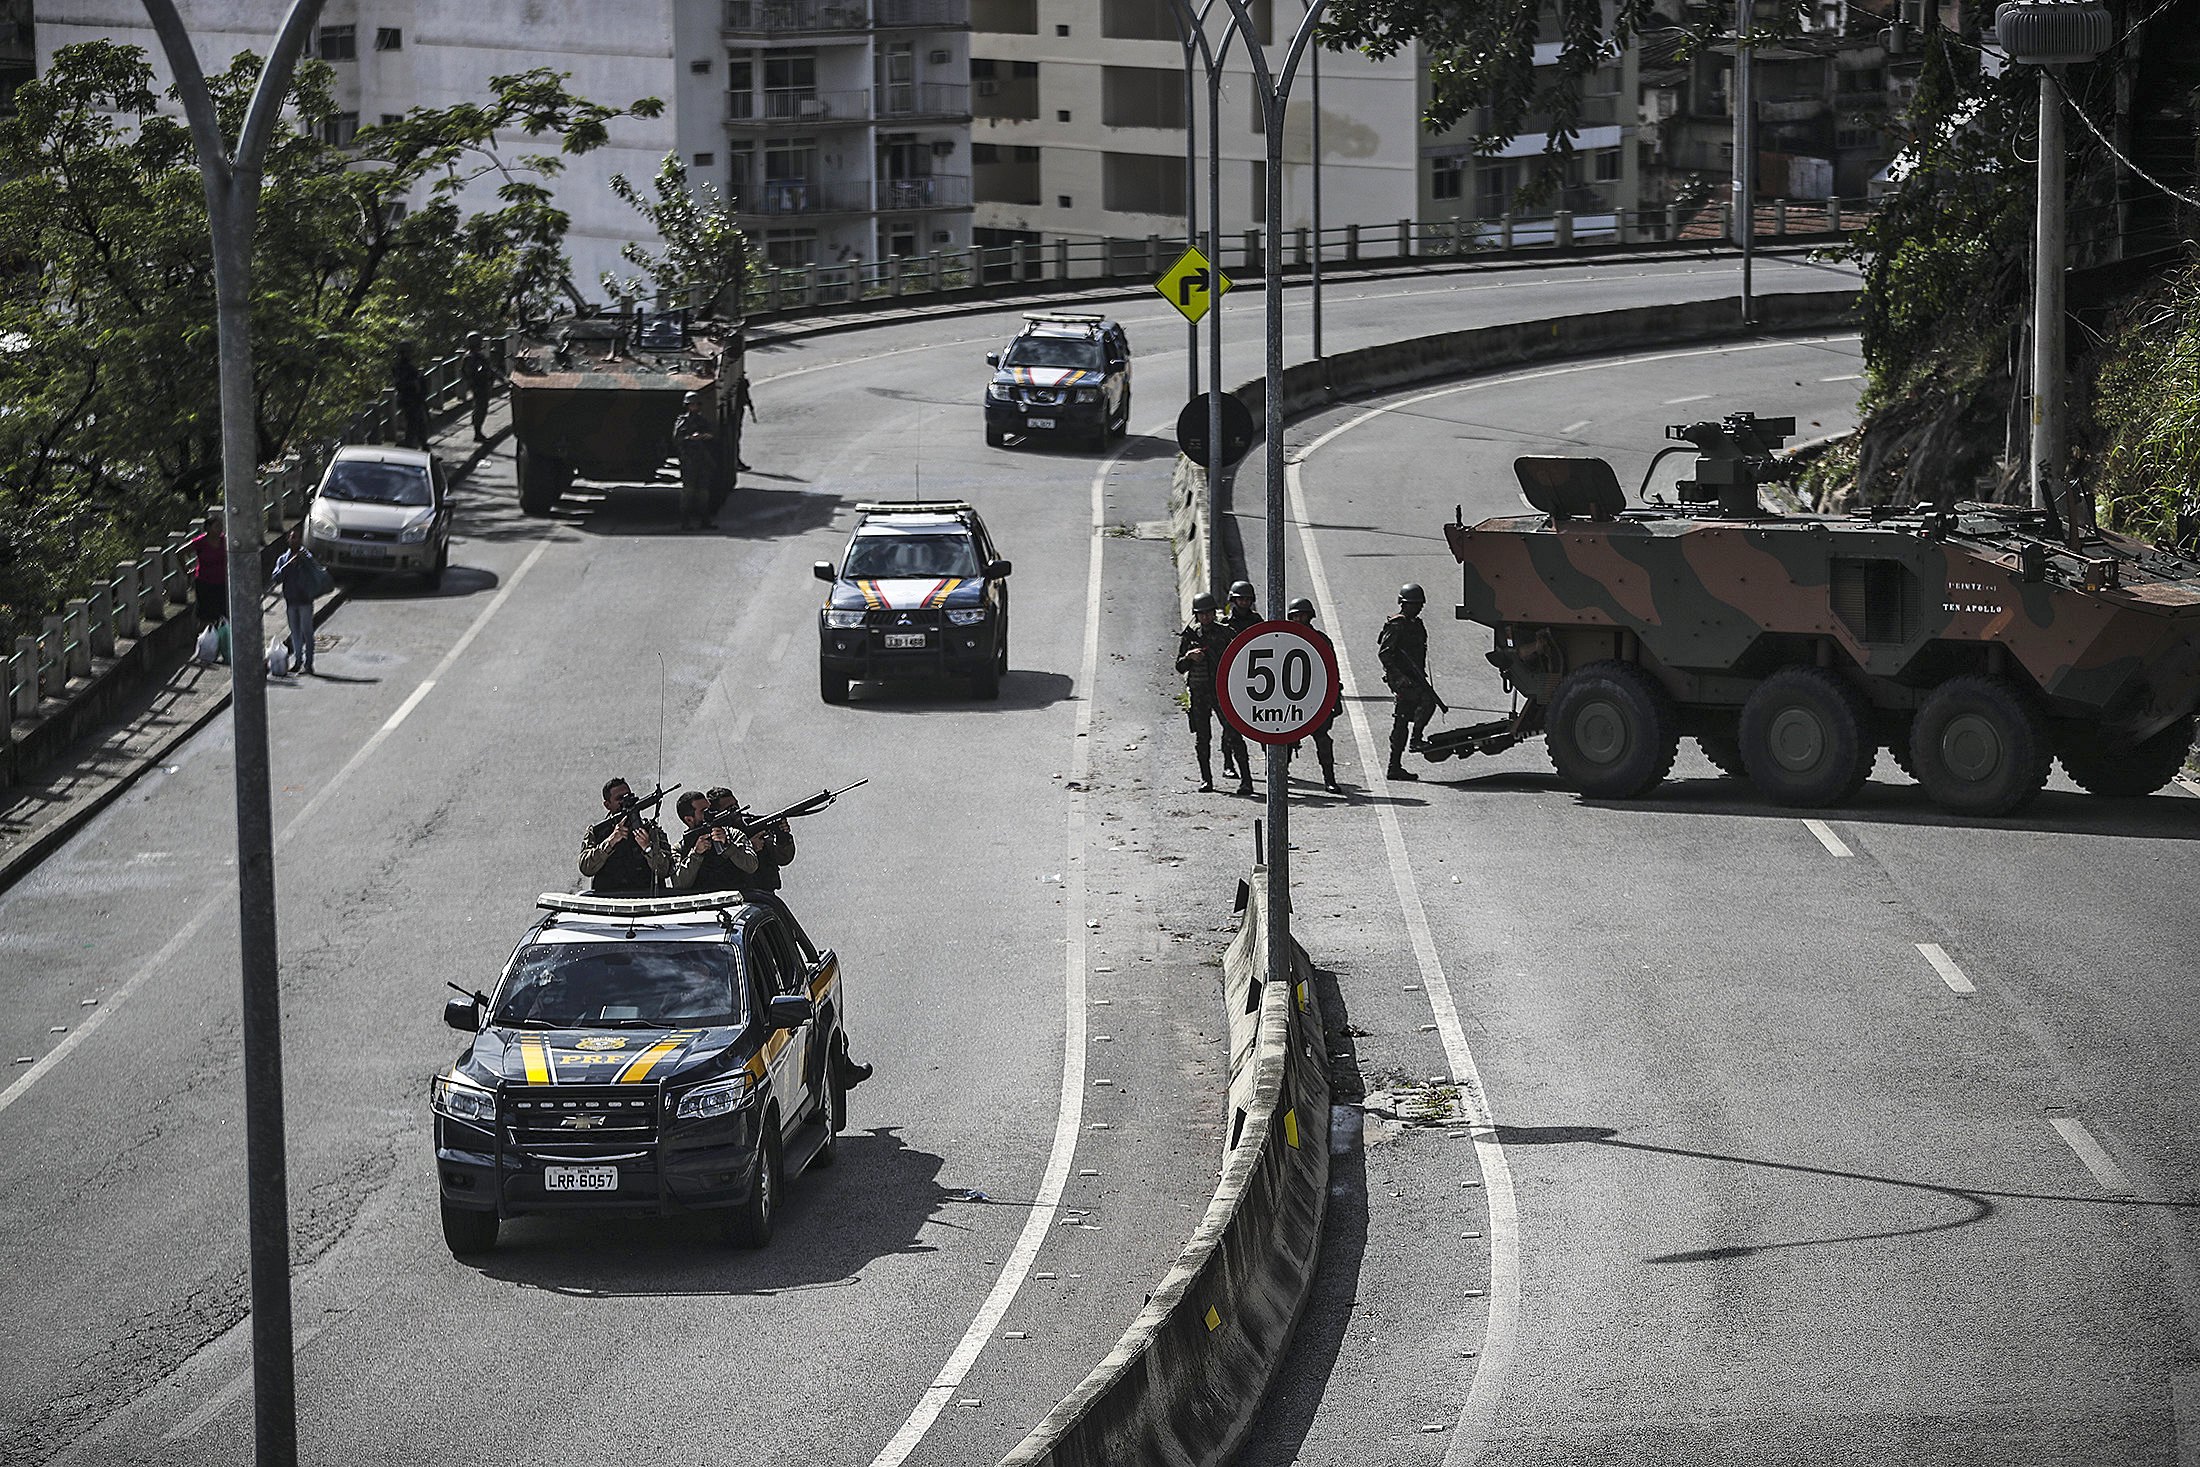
(1072, 264)
(143, 593)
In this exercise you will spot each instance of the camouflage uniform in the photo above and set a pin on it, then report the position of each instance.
(1235, 617)
(620, 867)
(1403, 648)
(724, 865)
(1199, 685)
(696, 441)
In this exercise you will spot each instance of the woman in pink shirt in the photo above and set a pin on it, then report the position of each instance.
(210, 571)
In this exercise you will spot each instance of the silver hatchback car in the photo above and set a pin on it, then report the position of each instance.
(384, 511)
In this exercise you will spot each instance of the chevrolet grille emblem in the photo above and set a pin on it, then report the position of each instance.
(581, 1122)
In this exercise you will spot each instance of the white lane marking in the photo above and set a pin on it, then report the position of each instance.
(1834, 845)
(779, 648)
(1850, 377)
(1946, 967)
(2184, 1405)
(2092, 1155)
(1478, 1417)
(220, 900)
(215, 1404)
(1070, 1107)
(1501, 1332)
(1697, 397)
(1570, 427)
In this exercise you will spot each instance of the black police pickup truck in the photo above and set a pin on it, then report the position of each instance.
(1063, 376)
(921, 592)
(644, 1055)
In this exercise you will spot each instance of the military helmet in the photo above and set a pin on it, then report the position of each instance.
(1204, 601)
(1411, 594)
(1241, 590)
(1300, 607)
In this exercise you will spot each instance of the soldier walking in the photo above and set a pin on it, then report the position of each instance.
(1325, 744)
(1199, 648)
(411, 386)
(1403, 648)
(480, 377)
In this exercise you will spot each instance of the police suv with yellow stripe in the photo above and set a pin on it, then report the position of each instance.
(921, 592)
(643, 1055)
(1063, 376)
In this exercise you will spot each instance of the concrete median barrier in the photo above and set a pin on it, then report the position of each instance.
(1183, 1384)
(1374, 370)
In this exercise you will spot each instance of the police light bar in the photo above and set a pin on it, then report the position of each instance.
(1065, 318)
(913, 506)
(589, 904)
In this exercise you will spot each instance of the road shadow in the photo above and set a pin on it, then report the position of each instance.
(1019, 689)
(875, 1202)
(1975, 1204)
(2160, 816)
(458, 581)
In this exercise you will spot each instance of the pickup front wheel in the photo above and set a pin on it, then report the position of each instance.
(750, 1224)
(468, 1231)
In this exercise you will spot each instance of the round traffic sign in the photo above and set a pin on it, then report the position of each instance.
(1237, 429)
(1277, 681)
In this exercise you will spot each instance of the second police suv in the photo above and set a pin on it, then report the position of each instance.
(921, 592)
(1066, 376)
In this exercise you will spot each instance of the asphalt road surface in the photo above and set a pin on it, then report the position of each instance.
(1859, 1140)
(1028, 898)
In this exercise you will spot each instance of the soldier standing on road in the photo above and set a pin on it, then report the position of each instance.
(480, 376)
(1403, 648)
(624, 855)
(1325, 746)
(1237, 614)
(412, 396)
(1199, 647)
(742, 402)
(695, 439)
(712, 857)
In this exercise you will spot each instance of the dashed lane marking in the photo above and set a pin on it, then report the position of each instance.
(2092, 1155)
(1847, 377)
(1696, 397)
(1575, 427)
(1946, 967)
(1834, 845)
(220, 900)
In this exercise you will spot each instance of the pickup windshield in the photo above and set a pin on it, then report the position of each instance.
(621, 985)
(1054, 351)
(910, 557)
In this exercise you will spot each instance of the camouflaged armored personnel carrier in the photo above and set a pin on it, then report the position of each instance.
(1975, 642)
(595, 397)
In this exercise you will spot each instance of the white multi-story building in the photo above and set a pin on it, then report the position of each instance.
(1080, 116)
(839, 128)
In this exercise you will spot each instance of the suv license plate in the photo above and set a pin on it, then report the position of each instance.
(1038, 422)
(580, 1178)
(904, 639)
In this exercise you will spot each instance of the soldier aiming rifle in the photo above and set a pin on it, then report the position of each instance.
(624, 854)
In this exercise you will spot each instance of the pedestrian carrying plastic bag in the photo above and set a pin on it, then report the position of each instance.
(278, 659)
(209, 646)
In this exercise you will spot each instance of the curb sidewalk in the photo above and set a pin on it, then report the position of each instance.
(44, 811)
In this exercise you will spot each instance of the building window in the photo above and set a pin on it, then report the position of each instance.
(1005, 17)
(339, 130)
(1493, 190)
(1607, 165)
(984, 153)
(1445, 176)
(1061, 114)
(1141, 96)
(388, 38)
(1062, 201)
(337, 43)
(700, 68)
(705, 160)
(391, 119)
(1142, 183)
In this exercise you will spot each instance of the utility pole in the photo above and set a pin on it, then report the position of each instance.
(1316, 63)
(232, 180)
(1744, 102)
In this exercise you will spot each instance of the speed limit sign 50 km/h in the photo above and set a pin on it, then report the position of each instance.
(1277, 681)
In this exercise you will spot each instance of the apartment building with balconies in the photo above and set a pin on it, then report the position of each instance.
(1080, 111)
(838, 128)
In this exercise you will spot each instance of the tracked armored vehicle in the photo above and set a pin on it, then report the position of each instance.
(1977, 643)
(595, 397)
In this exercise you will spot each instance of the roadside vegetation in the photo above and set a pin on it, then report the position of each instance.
(414, 231)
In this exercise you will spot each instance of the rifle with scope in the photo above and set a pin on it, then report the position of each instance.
(749, 822)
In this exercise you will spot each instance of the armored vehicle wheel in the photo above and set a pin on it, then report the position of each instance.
(2118, 769)
(1979, 746)
(468, 1231)
(1803, 739)
(1724, 750)
(832, 686)
(1612, 731)
(750, 1224)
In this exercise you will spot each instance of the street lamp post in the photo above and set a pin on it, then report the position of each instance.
(232, 180)
(1744, 102)
(1274, 91)
(1193, 26)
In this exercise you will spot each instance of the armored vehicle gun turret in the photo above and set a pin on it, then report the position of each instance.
(1975, 642)
(595, 397)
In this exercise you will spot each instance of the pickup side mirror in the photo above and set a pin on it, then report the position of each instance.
(823, 570)
(998, 570)
(1117, 364)
(993, 359)
(789, 1011)
(463, 1014)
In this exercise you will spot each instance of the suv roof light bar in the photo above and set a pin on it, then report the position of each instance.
(913, 506)
(1064, 318)
(583, 903)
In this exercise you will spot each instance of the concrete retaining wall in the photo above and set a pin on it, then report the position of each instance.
(1375, 370)
(1183, 1384)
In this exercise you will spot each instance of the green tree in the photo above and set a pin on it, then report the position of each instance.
(109, 421)
(705, 254)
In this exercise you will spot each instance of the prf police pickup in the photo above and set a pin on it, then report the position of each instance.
(642, 1056)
